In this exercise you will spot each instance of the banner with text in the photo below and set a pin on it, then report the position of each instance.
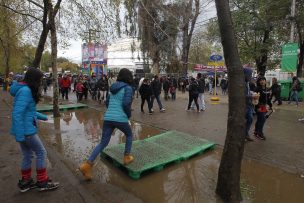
(289, 57)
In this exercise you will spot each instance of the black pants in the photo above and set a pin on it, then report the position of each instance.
(277, 97)
(65, 92)
(143, 99)
(79, 96)
(191, 98)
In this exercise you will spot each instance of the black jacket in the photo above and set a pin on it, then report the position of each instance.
(264, 96)
(145, 91)
(194, 88)
(201, 85)
(156, 87)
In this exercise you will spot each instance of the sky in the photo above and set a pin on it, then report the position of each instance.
(73, 52)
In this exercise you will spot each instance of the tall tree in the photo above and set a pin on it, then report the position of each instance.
(5, 37)
(52, 26)
(262, 36)
(299, 19)
(260, 31)
(10, 53)
(189, 17)
(200, 49)
(228, 184)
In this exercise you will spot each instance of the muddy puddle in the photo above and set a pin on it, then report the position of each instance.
(76, 133)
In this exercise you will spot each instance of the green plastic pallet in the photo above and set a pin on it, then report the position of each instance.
(156, 152)
(63, 107)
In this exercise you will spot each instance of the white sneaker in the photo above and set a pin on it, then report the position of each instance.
(162, 110)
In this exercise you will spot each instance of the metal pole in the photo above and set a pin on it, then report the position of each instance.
(214, 81)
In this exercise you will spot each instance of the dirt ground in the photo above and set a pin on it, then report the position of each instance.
(283, 148)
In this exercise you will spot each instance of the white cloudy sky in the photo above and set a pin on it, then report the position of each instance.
(73, 52)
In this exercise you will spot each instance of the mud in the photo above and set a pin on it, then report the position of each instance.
(76, 133)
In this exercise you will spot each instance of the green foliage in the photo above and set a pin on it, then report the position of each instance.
(252, 19)
(200, 50)
(9, 40)
(67, 65)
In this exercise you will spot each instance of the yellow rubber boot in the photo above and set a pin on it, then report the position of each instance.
(128, 159)
(86, 170)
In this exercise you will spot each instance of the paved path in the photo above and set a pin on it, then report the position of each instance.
(285, 138)
(72, 188)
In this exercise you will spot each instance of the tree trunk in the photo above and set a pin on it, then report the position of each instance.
(301, 58)
(43, 36)
(52, 25)
(228, 184)
(5, 43)
(261, 61)
(301, 54)
(187, 35)
(155, 66)
(185, 50)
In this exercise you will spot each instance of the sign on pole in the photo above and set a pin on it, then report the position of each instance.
(289, 57)
(218, 63)
(215, 57)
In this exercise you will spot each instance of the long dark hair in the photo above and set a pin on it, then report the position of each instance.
(33, 79)
(125, 76)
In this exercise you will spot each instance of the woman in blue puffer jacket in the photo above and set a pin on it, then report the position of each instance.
(24, 128)
(117, 115)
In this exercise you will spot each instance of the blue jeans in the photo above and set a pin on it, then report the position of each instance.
(249, 119)
(31, 145)
(259, 125)
(157, 97)
(294, 95)
(107, 130)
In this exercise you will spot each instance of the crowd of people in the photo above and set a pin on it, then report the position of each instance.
(118, 96)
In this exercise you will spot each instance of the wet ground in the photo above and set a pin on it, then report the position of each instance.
(194, 180)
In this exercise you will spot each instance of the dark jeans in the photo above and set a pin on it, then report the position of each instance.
(259, 125)
(65, 92)
(191, 98)
(173, 96)
(143, 99)
(249, 119)
(157, 97)
(277, 97)
(79, 96)
(85, 93)
(107, 130)
(166, 94)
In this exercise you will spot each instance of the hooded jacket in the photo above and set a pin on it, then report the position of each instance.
(119, 102)
(24, 115)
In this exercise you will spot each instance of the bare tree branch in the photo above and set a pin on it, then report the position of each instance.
(20, 13)
(35, 3)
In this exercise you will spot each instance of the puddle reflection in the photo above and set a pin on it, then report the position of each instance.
(76, 133)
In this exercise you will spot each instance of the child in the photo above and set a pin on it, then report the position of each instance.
(24, 128)
(117, 115)
(172, 91)
(79, 90)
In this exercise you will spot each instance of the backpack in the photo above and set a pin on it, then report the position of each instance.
(79, 87)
